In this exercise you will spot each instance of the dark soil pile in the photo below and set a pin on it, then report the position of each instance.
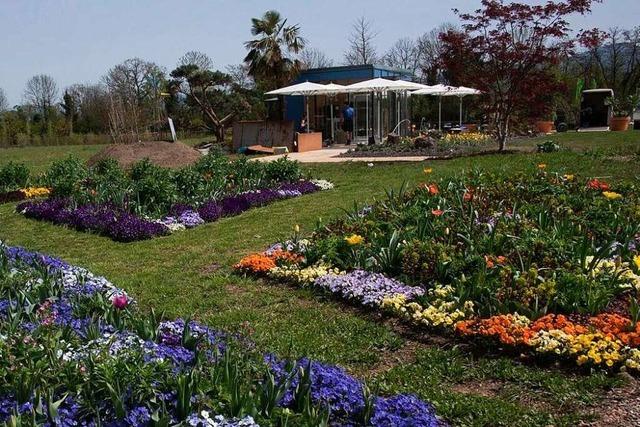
(166, 154)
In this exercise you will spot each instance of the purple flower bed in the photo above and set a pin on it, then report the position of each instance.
(104, 219)
(122, 226)
(365, 288)
(330, 386)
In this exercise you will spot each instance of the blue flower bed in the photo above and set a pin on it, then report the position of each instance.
(75, 351)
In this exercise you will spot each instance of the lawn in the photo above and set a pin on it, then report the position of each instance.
(189, 274)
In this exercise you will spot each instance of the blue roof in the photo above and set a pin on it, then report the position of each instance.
(352, 74)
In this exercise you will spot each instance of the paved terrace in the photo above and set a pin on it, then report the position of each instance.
(330, 155)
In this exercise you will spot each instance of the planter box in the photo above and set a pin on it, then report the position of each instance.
(309, 142)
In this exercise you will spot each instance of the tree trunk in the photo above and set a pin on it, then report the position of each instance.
(502, 131)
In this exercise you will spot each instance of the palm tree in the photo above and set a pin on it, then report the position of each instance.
(270, 60)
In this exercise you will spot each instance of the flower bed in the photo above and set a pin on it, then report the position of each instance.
(24, 194)
(148, 200)
(545, 263)
(109, 220)
(75, 350)
(437, 145)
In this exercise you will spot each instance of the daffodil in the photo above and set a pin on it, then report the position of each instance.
(427, 171)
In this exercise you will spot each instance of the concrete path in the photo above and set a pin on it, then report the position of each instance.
(329, 155)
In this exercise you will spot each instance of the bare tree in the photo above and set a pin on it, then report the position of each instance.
(4, 106)
(612, 59)
(199, 59)
(429, 50)
(240, 76)
(41, 92)
(133, 79)
(4, 103)
(403, 54)
(92, 107)
(314, 58)
(135, 97)
(361, 43)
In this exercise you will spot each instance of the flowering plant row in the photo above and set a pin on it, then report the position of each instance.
(75, 350)
(24, 194)
(490, 257)
(120, 225)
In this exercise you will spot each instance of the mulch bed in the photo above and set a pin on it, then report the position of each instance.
(166, 154)
(12, 196)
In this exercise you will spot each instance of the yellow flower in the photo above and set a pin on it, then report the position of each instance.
(427, 171)
(31, 192)
(569, 177)
(636, 261)
(542, 166)
(296, 228)
(612, 195)
(354, 239)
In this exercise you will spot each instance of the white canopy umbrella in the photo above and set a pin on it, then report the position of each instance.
(439, 91)
(461, 92)
(301, 89)
(442, 90)
(380, 85)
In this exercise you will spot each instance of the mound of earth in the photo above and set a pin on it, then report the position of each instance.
(166, 154)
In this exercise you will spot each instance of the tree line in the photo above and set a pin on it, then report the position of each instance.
(524, 57)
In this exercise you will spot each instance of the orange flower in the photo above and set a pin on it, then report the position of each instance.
(437, 212)
(489, 261)
(505, 328)
(256, 264)
(502, 260)
(262, 263)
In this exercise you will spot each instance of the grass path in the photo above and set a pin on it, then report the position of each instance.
(189, 274)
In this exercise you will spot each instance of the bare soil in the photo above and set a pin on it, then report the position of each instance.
(166, 154)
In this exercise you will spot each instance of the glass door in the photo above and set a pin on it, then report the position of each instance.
(361, 122)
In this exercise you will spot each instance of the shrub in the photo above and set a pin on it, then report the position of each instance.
(153, 188)
(282, 170)
(66, 176)
(13, 176)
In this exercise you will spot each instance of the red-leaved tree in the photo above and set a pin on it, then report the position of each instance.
(510, 52)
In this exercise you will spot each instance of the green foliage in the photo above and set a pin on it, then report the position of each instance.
(66, 176)
(282, 170)
(13, 176)
(548, 146)
(153, 188)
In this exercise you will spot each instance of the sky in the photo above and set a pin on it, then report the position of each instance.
(77, 41)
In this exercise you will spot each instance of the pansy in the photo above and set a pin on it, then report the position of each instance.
(612, 195)
(354, 239)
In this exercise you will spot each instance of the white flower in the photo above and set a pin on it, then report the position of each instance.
(323, 184)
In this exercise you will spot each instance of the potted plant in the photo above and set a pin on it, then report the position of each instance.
(622, 109)
(545, 125)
